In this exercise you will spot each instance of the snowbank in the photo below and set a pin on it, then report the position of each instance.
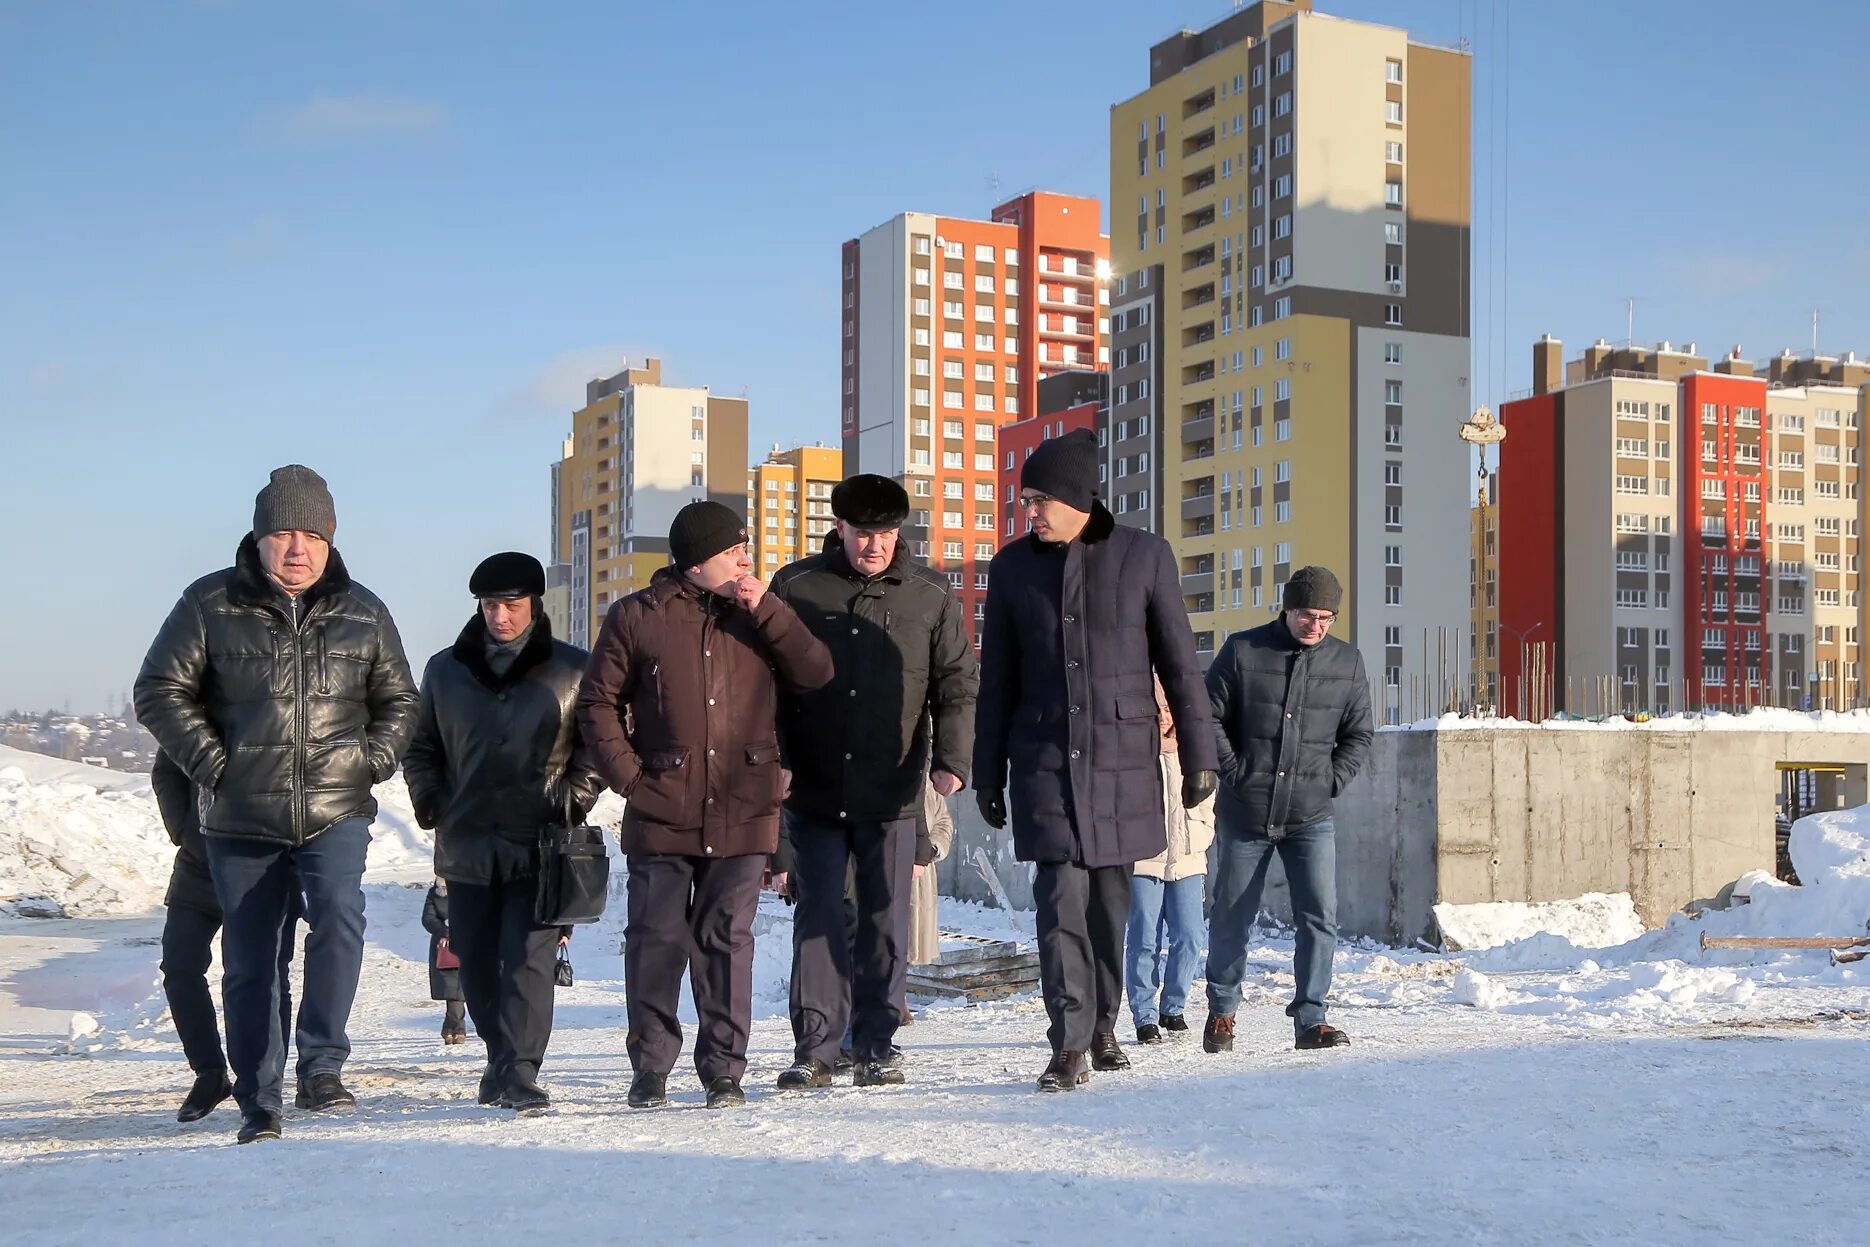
(1595, 920)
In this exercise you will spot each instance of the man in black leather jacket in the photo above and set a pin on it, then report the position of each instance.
(279, 685)
(497, 756)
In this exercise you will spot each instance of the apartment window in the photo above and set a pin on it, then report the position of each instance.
(1392, 71)
(1392, 112)
(1282, 306)
(1392, 515)
(1392, 194)
(1282, 104)
(1282, 64)
(1392, 436)
(1392, 153)
(1392, 595)
(1392, 473)
(1282, 349)
(1392, 233)
(1282, 512)
(951, 459)
(1282, 390)
(1282, 430)
(1392, 354)
(1282, 226)
(1392, 556)
(1392, 313)
(922, 244)
(1282, 187)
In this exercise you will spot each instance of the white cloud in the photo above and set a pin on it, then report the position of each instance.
(363, 115)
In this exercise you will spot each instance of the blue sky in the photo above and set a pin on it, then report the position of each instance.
(391, 240)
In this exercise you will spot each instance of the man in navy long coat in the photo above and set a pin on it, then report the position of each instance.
(1079, 615)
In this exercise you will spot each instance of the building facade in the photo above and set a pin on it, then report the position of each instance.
(1134, 444)
(1302, 181)
(948, 326)
(1680, 535)
(789, 505)
(639, 451)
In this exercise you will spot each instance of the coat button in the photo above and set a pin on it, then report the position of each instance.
(1282, 774)
(1288, 715)
(711, 799)
(710, 701)
(847, 757)
(1073, 664)
(1074, 710)
(853, 692)
(710, 753)
(853, 632)
(841, 814)
(1071, 619)
(1077, 753)
(709, 849)
(708, 653)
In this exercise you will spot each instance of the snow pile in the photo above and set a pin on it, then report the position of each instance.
(78, 840)
(1595, 920)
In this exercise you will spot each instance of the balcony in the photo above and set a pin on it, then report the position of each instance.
(1198, 181)
(1199, 373)
(1195, 105)
(1198, 507)
(1200, 296)
(1198, 334)
(1200, 429)
(1199, 258)
(1063, 297)
(1195, 144)
(1200, 219)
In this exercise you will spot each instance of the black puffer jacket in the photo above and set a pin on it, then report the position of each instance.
(1293, 725)
(190, 884)
(1067, 705)
(494, 755)
(286, 723)
(860, 747)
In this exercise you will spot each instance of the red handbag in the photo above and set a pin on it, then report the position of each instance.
(445, 958)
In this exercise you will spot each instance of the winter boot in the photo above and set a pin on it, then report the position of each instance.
(1149, 1032)
(492, 1092)
(1218, 1034)
(1174, 1022)
(806, 1075)
(1106, 1056)
(525, 1096)
(725, 1092)
(1067, 1071)
(208, 1091)
(649, 1091)
(258, 1126)
(1321, 1036)
(325, 1093)
(886, 1072)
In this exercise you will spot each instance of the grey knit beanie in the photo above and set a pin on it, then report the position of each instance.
(1315, 589)
(296, 498)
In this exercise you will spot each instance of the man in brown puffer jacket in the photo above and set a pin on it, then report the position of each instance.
(680, 707)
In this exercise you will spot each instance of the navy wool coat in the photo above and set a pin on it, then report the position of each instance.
(1066, 719)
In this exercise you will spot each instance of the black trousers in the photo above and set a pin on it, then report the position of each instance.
(694, 914)
(506, 969)
(1082, 911)
(187, 952)
(845, 974)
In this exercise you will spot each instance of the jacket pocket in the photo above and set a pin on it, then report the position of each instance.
(1136, 707)
(754, 788)
(657, 760)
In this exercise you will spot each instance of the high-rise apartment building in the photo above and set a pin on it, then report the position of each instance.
(948, 326)
(1675, 535)
(1134, 447)
(789, 505)
(1302, 182)
(639, 451)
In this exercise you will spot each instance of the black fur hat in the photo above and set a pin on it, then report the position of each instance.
(870, 501)
(508, 575)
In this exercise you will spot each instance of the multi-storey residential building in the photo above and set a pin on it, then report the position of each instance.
(789, 504)
(949, 324)
(639, 451)
(1676, 535)
(1303, 182)
(1135, 439)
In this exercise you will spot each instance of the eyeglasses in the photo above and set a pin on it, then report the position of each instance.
(1315, 619)
(1035, 500)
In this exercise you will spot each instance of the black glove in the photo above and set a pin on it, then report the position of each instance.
(1197, 786)
(992, 804)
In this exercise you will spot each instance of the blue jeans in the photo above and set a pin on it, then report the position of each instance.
(1309, 855)
(254, 880)
(1162, 916)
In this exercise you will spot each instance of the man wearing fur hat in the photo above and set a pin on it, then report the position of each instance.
(497, 756)
(898, 714)
(1079, 615)
(279, 685)
(1292, 713)
(680, 705)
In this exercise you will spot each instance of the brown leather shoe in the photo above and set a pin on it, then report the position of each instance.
(1321, 1036)
(1066, 1071)
(1218, 1034)
(1106, 1056)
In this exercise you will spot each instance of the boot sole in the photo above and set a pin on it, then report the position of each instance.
(658, 1102)
(1073, 1085)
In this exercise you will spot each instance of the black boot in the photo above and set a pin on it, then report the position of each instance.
(1067, 1071)
(725, 1092)
(806, 1075)
(525, 1096)
(492, 1093)
(325, 1093)
(1149, 1032)
(257, 1126)
(208, 1091)
(649, 1091)
(1321, 1036)
(1106, 1056)
(883, 1073)
(1174, 1022)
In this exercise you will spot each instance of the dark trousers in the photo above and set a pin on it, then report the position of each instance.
(187, 952)
(506, 969)
(1082, 911)
(254, 881)
(844, 974)
(693, 913)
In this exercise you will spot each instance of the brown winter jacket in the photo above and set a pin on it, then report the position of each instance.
(680, 706)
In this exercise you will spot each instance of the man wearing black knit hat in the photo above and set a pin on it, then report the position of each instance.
(1080, 615)
(900, 710)
(279, 686)
(497, 757)
(1292, 716)
(680, 705)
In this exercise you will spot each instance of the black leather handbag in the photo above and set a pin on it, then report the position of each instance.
(574, 872)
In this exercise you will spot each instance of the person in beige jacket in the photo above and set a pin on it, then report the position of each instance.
(924, 931)
(1165, 903)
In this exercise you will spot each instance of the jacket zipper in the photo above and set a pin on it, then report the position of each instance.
(300, 813)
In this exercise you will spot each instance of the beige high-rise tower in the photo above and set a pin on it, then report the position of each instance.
(1303, 181)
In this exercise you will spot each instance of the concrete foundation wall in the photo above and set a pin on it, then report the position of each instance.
(1467, 816)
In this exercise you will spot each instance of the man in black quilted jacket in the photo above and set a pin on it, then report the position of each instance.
(279, 685)
(1292, 711)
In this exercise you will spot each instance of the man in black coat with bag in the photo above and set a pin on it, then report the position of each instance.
(898, 713)
(1080, 614)
(497, 757)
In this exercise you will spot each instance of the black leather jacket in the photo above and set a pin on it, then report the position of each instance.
(284, 713)
(494, 756)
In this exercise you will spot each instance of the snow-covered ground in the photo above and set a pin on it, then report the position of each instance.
(1541, 1090)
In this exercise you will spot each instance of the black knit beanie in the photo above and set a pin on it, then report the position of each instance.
(702, 530)
(1064, 467)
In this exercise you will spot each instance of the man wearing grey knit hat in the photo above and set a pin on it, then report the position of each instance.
(1292, 717)
(280, 686)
